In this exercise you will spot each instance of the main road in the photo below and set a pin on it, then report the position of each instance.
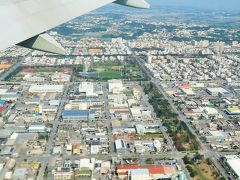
(205, 148)
(52, 135)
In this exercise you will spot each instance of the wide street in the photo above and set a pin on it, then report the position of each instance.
(205, 149)
(53, 133)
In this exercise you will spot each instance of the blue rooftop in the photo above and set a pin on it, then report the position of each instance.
(139, 171)
(77, 113)
(2, 102)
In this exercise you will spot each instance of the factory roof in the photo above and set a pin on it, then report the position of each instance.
(217, 90)
(234, 163)
(139, 171)
(5, 133)
(75, 113)
(234, 109)
(46, 88)
(119, 144)
(20, 173)
(153, 169)
(2, 102)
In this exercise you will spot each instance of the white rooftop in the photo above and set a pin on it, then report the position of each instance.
(46, 88)
(234, 163)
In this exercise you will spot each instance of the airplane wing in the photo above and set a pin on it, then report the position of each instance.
(23, 22)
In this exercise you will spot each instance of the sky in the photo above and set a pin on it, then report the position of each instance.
(205, 4)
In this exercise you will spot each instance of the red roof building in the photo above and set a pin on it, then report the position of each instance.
(185, 86)
(2, 108)
(122, 170)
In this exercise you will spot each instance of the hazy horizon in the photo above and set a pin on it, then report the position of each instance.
(231, 5)
(205, 4)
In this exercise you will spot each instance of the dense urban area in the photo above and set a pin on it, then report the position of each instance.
(139, 96)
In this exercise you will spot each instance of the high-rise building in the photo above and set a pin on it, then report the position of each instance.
(149, 58)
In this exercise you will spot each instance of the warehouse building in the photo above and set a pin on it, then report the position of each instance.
(85, 87)
(46, 88)
(140, 171)
(36, 128)
(233, 162)
(120, 146)
(115, 85)
(75, 115)
(218, 91)
(233, 111)
(137, 174)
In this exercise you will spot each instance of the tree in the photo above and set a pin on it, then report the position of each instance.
(209, 162)
(198, 156)
(191, 171)
(186, 160)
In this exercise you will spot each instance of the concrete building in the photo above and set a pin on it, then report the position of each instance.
(85, 87)
(139, 174)
(120, 146)
(115, 86)
(57, 150)
(155, 171)
(86, 163)
(47, 109)
(63, 173)
(37, 128)
(46, 88)
(233, 111)
(88, 89)
(20, 173)
(61, 77)
(30, 78)
(218, 91)
(233, 162)
(149, 58)
(157, 145)
(75, 115)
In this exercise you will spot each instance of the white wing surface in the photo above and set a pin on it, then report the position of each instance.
(21, 20)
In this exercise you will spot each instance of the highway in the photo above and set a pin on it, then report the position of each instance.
(108, 116)
(207, 152)
(50, 144)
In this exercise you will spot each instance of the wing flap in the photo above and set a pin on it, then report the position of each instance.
(134, 3)
(43, 42)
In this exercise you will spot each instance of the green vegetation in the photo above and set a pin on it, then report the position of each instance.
(106, 64)
(183, 138)
(43, 136)
(78, 68)
(130, 160)
(200, 168)
(110, 75)
(159, 103)
(128, 92)
(83, 172)
(46, 70)
(11, 75)
(150, 161)
(128, 70)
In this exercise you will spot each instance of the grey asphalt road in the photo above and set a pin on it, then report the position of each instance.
(205, 148)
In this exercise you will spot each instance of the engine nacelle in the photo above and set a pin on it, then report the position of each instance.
(134, 3)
